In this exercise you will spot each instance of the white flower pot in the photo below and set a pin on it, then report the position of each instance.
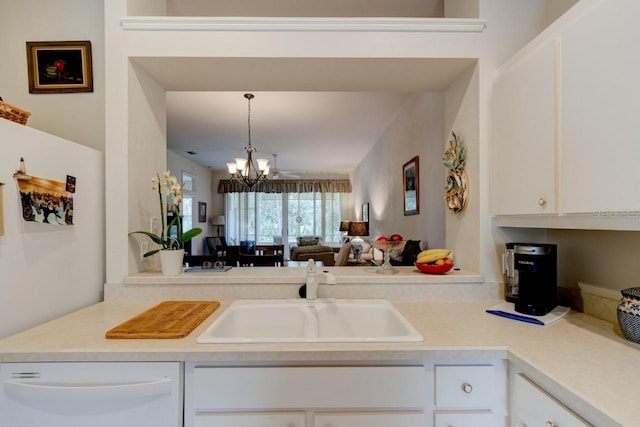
(171, 261)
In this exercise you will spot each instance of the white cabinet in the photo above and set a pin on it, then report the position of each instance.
(463, 419)
(470, 395)
(564, 134)
(532, 406)
(255, 419)
(371, 419)
(523, 153)
(422, 395)
(334, 396)
(600, 104)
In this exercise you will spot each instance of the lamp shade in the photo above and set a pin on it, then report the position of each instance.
(217, 220)
(344, 225)
(358, 228)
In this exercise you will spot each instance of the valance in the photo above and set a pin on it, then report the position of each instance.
(288, 186)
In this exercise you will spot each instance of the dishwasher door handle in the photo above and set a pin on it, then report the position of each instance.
(86, 392)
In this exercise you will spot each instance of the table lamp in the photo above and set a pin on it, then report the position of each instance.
(218, 220)
(344, 226)
(357, 229)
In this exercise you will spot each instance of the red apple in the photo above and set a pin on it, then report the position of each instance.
(382, 239)
(395, 238)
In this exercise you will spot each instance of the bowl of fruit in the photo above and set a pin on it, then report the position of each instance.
(386, 245)
(434, 261)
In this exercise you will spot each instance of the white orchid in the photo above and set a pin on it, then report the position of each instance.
(167, 187)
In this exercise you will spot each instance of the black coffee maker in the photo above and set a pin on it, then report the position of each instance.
(531, 277)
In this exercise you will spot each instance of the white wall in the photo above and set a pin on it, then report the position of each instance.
(417, 130)
(77, 117)
(203, 193)
(49, 270)
(556, 8)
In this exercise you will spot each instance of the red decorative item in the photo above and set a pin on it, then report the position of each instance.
(432, 268)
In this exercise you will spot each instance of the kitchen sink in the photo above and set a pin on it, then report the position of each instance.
(299, 320)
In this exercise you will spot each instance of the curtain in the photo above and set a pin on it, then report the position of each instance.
(288, 186)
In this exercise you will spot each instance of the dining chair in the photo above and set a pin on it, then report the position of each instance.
(248, 260)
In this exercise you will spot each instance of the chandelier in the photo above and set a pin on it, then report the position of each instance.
(245, 170)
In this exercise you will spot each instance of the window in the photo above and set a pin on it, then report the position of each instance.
(189, 183)
(261, 216)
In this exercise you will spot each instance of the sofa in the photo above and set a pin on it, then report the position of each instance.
(317, 252)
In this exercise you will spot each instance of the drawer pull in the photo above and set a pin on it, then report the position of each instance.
(550, 424)
(542, 202)
(466, 387)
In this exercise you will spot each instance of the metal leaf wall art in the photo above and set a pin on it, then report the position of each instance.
(457, 181)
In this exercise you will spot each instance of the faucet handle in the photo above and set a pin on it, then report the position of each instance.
(311, 267)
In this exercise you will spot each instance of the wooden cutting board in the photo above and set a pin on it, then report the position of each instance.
(169, 319)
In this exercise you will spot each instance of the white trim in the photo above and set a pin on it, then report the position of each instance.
(170, 23)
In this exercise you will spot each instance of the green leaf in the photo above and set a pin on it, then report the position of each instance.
(189, 234)
(155, 238)
(146, 254)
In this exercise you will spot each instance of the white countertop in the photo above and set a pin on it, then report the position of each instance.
(582, 360)
(284, 275)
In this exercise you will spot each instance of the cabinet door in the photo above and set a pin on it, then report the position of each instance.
(256, 419)
(534, 407)
(600, 105)
(468, 387)
(524, 136)
(463, 419)
(251, 388)
(373, 419)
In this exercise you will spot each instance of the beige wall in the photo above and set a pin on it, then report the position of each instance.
(203, 193)
(78, 117)
(607, 259)
(416, 131)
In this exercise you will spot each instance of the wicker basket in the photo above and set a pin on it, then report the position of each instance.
(13, 113)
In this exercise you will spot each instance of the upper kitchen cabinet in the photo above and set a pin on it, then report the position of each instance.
(600, 111)
(564, 140)
(524, 135)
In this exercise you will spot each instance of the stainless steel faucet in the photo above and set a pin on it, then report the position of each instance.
(314, 279)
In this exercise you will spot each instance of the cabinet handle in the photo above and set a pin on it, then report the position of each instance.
(542, 201)
(550, 424)
(466, 387)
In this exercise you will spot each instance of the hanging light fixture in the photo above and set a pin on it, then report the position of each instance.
(245, 170)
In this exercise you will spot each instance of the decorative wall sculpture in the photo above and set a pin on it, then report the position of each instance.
(457, 182)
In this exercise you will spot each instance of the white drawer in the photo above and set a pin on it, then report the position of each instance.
(469, 387)
(463, 419)
(254, 419)
(241, 388)
(370, 419)
(534, 407)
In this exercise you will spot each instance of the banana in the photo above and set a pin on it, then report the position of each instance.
(432, 255)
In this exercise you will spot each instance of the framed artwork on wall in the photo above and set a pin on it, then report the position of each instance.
(202, 212)
(59, 67)
(411, 187)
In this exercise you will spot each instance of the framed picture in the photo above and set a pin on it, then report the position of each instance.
(59, 67)
(202, 212)
(411, 187)
(365, 212)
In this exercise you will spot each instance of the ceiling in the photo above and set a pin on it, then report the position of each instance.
(321, 116)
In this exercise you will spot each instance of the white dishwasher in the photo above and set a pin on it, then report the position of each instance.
(96, 394)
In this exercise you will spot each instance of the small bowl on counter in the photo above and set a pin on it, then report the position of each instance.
(433, 268)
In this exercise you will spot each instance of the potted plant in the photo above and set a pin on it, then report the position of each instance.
(171, 252)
